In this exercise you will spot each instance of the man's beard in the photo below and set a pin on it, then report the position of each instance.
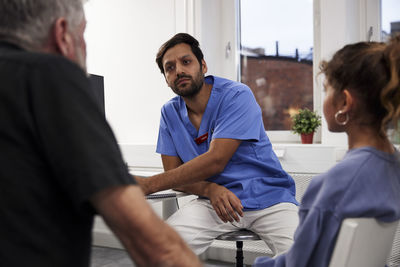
(194, 86)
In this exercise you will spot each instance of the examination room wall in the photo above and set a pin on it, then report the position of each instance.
(123, 37)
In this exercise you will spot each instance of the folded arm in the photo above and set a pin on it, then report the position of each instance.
(198, 169)
(225, 203)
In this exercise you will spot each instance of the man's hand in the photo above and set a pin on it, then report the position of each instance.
(225, 203)
(143, 184)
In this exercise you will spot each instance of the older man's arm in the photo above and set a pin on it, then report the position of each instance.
(148, 240)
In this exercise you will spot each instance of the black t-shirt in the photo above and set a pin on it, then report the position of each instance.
(56, 151)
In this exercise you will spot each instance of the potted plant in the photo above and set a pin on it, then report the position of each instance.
(305, 122)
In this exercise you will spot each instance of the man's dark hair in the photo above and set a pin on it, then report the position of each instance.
(175, 40)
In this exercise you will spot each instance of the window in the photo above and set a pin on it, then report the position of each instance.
(276, 57)
(326, 25)
(390, 18)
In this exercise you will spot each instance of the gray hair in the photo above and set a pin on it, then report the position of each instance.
(28, 22)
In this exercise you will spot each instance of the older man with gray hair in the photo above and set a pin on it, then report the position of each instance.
(60, 162)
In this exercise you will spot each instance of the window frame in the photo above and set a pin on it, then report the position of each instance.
(336, 23)
(285, 136)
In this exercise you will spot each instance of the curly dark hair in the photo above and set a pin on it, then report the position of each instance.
(371, 71)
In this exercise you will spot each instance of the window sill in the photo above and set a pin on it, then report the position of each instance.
(294, 157)
(308, 158)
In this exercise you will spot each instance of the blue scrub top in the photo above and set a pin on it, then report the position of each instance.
(254, 173)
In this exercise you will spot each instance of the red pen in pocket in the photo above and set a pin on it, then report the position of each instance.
(201, 138)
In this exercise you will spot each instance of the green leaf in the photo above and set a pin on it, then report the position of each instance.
(305, 121)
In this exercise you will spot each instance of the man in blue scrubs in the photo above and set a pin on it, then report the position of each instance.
(213, 144)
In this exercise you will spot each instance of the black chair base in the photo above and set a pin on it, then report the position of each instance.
(239, 236)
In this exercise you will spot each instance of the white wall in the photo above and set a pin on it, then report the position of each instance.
(123, 37)
(215, 29)
(343, 22)
(338, 26)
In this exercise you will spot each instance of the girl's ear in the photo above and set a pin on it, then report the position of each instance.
(346, 101)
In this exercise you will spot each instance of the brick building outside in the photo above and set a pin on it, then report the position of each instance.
(281, 85)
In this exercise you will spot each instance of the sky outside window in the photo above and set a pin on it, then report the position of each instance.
(390, 13)
(290, 22)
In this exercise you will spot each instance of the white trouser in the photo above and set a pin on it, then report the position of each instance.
(198, 224)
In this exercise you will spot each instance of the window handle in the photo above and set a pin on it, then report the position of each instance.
(370, 33)
(228, 50)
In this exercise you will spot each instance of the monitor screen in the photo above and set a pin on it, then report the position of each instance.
(97, 83)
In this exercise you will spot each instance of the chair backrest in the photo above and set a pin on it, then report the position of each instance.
(363, 242)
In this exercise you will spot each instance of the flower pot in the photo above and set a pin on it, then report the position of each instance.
(307, 138)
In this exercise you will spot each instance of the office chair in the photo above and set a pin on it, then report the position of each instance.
(239, 236)
(363, 242)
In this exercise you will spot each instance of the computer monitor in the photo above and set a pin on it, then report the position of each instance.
(97, 83)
